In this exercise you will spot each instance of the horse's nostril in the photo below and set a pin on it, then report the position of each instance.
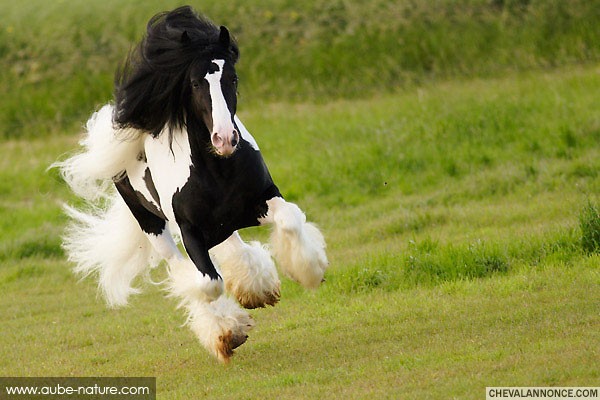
(235, 139)
(217, 141)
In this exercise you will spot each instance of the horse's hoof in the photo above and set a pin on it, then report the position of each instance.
(229, 342)
(251, 301)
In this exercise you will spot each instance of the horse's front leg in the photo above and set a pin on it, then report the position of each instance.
(248, 271)
(218, 322)
(298, 246)
(201, 278)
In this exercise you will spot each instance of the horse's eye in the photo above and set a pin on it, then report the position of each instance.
(195, 84)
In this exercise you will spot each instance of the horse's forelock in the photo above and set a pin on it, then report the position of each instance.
(184, 35)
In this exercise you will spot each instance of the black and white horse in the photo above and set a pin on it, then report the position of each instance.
(182, 163)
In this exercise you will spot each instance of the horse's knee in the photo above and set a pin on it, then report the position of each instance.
(290, 218)
(298, 246)
(189, 284)
(286, 216)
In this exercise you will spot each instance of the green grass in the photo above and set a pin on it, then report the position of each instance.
(457, 187)
(534, 328)
(457, 217)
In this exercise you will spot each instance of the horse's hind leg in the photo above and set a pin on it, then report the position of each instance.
(185, 281)
(298, 246)
(146, 230)
(152, 225)
(248, 271)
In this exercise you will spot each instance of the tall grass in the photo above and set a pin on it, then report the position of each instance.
(589, 223)
(57, 58)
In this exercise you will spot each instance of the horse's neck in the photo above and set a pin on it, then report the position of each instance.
(199, 138)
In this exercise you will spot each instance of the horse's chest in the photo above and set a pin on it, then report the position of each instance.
(214, 203)
(217, 201)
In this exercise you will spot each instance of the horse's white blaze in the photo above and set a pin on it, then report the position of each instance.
(170, 166)
(221, 116)
(245, 134)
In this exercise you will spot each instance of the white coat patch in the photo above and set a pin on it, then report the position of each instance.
(170, 166)
(245, 134)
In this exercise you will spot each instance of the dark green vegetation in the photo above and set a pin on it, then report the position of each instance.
(57, 58)
(589, 222)
(450, 155)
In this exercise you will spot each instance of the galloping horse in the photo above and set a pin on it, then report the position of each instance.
(183, 164)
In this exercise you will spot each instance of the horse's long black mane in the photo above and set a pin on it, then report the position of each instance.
(152, 88)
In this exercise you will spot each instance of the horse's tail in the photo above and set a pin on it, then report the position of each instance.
(105, 238)
(109, 243)
(107, 151)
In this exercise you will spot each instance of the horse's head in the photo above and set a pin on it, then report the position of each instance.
(213, 85)
(182, 75)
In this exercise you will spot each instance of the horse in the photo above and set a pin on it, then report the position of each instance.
(169, 161)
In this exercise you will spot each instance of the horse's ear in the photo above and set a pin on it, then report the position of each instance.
(224, 38)
(185, 38)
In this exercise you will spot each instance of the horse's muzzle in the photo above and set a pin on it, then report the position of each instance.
(225, 145)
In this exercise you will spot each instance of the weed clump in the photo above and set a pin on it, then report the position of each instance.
(451, 263)
(589, 223)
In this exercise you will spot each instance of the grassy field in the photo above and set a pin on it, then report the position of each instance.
(461, 214)
(57, 59)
